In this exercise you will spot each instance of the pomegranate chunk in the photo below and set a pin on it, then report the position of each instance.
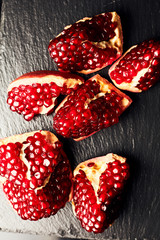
(95, 105)
(89, 44)
(36, 92)
(139, 68)
(97, 188)
(35, 174)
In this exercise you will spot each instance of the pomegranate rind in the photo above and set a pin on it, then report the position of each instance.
(116, 42)
(105, 86)
(45, 76)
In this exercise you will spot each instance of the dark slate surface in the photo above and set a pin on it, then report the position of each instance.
(27, 27)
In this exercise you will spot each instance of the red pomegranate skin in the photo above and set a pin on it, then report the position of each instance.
(97, 210)
(35, 174)
(95, 105)
(138, 69)
(37, 92)
(89, 44)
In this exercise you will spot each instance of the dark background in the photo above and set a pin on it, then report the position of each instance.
(27, 27)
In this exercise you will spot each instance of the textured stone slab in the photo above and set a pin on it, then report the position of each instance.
(27, 27)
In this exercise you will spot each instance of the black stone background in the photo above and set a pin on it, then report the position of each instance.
(26, 28)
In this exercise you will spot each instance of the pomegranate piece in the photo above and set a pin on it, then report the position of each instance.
(36, 92)
(139, 68)
(97, 190)
(89, 44)
(95, 105)
(35, 174)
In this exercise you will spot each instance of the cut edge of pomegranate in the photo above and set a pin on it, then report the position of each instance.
(45, 76)
(116, 42)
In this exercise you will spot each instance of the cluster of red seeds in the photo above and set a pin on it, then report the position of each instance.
(28, 99)
(86, 208)
(73, 50)
(44, 202)
(31, 196)
(144, 55)
(95, 216)
(11, 166)
(112, 181)
(82, 118)
(42, 158)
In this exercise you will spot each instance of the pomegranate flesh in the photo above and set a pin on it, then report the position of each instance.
(97, 188)
(95, 105)
(36, 92)
(89, 44)
(35, 174)
(139, 68)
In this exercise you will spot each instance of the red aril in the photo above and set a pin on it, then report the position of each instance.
(35, 174)
(36, 92)
(138, 69)
(89, 44)
(95, 105)
(97, 188)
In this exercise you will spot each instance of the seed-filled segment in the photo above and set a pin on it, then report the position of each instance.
(36, 92)
(97, 188)
(35, 173)
(139, 68)
(95, 105)
(89, 44)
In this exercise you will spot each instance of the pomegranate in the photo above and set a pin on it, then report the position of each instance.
(97, 190)
(89, 44)
(35, 174)
(36, 92)
(139, 68)
(95, 105)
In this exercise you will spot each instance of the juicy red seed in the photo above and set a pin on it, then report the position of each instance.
(144, 56)
(91, 164)
(75, 52)
(77, 118)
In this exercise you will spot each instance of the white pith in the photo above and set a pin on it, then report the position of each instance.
(50, 138)
(135, 81)
(93, 173)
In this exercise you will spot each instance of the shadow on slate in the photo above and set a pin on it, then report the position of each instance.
(27, 29)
